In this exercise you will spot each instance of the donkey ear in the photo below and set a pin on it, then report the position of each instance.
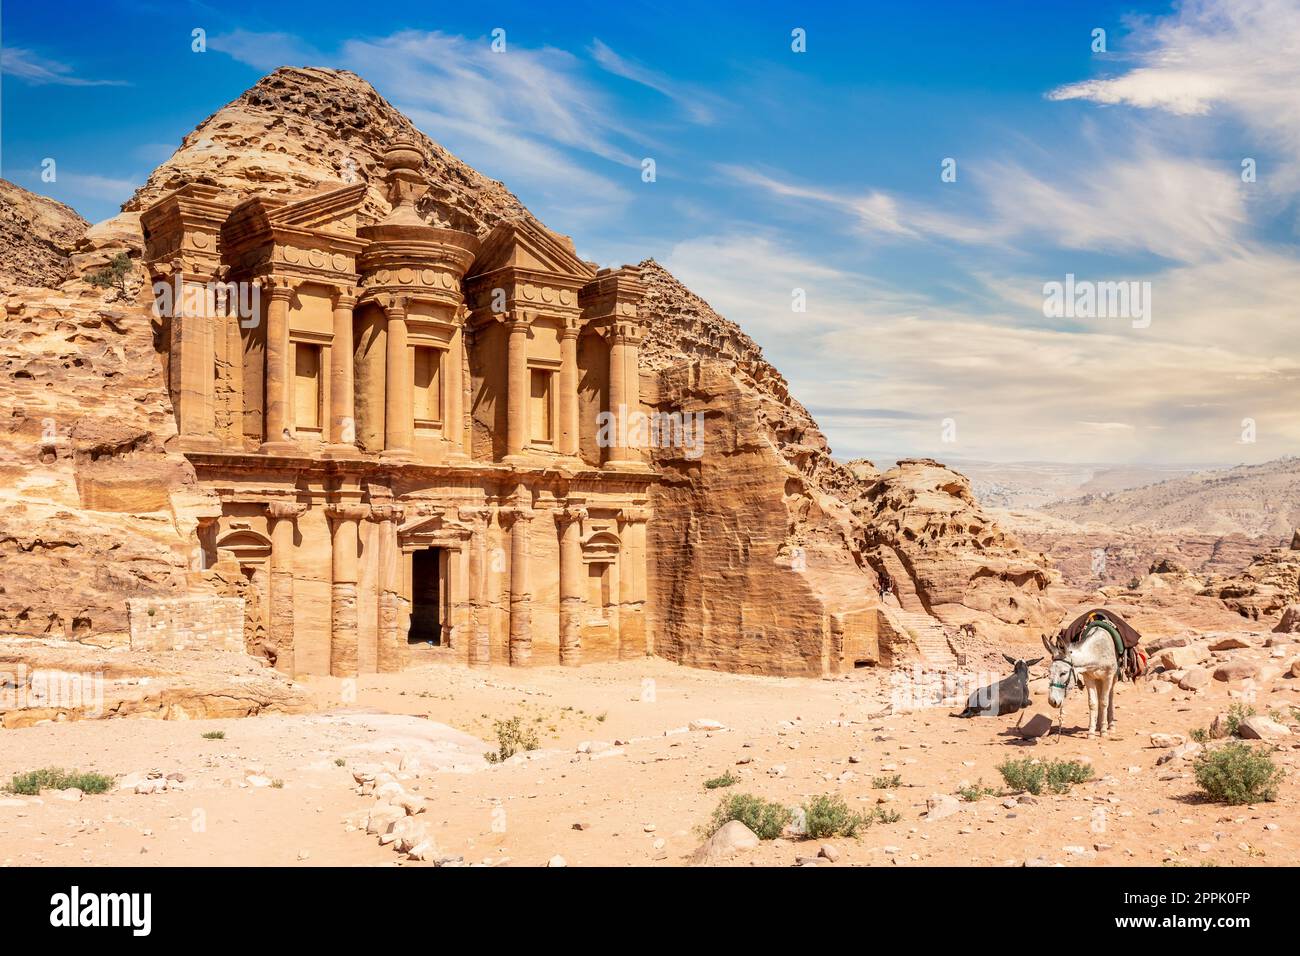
(1048, 644)
(1036, 660)
(1009, 660)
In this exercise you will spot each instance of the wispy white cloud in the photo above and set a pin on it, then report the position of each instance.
(266, 51)
(1234, 57)
(37, 70)
(896, 362)
(871, 212)
(525, 116)
(699, 105)
(1146, 201)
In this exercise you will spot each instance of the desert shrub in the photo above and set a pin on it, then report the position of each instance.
(976, 793)
(728, 779)
(829, 816)
(1023, 775)
(1199, 734)
(1236, 714)
(511, 738)
(881, 815)
(215, 735)
(1063, 774)
(1031, 776)
(52, 778)
(766, 818)
(1237, 773)
(891, 782)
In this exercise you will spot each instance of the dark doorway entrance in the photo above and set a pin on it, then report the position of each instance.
(426, 597)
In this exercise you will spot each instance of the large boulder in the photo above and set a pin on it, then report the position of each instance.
(730, 838)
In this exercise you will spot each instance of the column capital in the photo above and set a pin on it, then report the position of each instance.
(285, 509)
(386, 511)
(344, 296)
(635, 515)
(517, 513)
(478, 513)
(346, 511)
(566, 516)
(278, 287)
(394, 305)
(570, 328)
(517, 320)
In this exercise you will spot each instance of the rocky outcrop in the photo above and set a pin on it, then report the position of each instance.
(301, 128)
(943, 555)
(916, 527)
(754, 569)
(96, 508)
(42, 681)
(1091, 555)
(37, 235)
(1266, 587)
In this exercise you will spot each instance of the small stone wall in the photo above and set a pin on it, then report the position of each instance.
(175, 624)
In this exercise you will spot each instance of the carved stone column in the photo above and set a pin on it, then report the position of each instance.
(498, 609)
(476, 552)
(521, 601)
(391, 653)
(517, 386)
(453, 417)
(617, 397)
(343, 426)
(625, 397)
(192, 351)
(399, 422)
(279, 437)
(569, 522)
(569, 434)
(282, 516)
(343, 590)
(632, 586)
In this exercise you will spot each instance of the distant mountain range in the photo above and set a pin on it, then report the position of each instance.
(1254, 500)
(1032, 484)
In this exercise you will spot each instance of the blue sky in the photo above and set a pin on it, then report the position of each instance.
(924, 331)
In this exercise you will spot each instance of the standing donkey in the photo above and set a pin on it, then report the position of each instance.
(1092, 661)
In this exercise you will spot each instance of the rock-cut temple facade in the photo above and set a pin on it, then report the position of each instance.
(407, 428)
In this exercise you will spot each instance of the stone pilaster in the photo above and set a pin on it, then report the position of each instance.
(569, 522)
(279, 437)
(392, 651)
(343, 590)
(476, 554)
(632, 640)
(517, 436)
(628, 432)
(521, 599)
(568, 385)
(342, 425)
(282, 516)
(399, 421)
(453, 416)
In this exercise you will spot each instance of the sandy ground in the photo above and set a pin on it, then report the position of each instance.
(641, 802)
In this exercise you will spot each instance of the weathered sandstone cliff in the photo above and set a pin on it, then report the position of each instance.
(37, 235)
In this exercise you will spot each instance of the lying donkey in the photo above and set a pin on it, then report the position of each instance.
(1006, 696)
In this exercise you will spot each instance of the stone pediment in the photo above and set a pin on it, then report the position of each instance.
(334, 210)
(521, 245)
(330, 215)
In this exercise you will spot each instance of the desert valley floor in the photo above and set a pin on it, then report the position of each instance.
(618, 778)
